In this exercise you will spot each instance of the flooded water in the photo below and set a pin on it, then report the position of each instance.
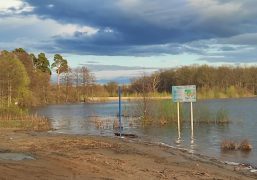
(98, 119)
(15, 156)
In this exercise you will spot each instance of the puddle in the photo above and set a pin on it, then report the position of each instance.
(15, 156)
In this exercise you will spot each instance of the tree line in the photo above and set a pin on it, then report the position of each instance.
(25, 79)
(212, 82)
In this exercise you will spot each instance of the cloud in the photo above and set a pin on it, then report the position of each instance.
(12, 7)
(241, 39)
(120, 74)
(135, 26)
(50, 6)
(143, 27)
(111, 68)
(230, 50)
(33, 33)
(91, 62)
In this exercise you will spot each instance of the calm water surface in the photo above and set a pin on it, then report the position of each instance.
(98, 119)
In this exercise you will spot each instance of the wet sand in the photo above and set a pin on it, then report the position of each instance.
(58, 156)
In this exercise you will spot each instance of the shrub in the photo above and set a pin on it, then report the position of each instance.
(245, 145)
(228, 145)
(25, 122)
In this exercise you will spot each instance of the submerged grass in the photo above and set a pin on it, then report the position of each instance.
(245, 145)
(165, 112)
(222, 116)
(203, 114)
(229, 145)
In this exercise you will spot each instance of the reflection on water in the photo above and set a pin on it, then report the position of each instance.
(101, 119)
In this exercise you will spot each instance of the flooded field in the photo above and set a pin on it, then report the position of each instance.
(101, 119)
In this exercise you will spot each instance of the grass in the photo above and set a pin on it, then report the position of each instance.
(222, 116)
(229, 145)
(245, 145)
(202, 114)
(12, 110)
(158, 112)
(14, 117)
(164, 112)
(229, 92)
(25, 122)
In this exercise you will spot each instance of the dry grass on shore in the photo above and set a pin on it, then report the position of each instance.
(25, 122)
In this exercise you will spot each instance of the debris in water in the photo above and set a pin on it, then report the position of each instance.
(126, 135)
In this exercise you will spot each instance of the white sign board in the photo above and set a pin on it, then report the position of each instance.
(184, 93)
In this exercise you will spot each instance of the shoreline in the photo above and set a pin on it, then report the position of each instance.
(110, 99)
(249, 168)
(140, 140)
(62, 156)
(127, 99)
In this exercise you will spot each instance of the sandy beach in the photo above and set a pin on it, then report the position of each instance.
(58, 156)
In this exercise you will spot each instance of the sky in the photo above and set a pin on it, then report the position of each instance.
(121, 39)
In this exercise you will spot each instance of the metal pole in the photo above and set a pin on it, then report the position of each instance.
(192, 121)
(178, 120)
(120, 110)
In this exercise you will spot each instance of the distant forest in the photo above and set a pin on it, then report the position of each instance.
(211, 82)
(25, 80)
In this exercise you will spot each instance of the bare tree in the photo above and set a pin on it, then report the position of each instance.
(87, 82)
(77, 81)
(143, 86)
(67, 81)
(155, 81)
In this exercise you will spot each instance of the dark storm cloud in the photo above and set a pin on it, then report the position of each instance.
(147, 27)
(232, 54)
(99, 46)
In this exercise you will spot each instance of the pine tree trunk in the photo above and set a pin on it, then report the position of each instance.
(58, 86)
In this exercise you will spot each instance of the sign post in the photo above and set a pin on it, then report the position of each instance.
(178, 121)
(192, 122)
(185, 94)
